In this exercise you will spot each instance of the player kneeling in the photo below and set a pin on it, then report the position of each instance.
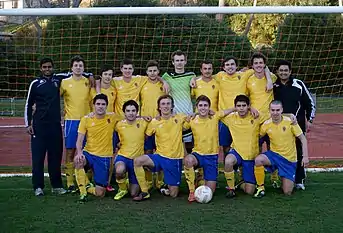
(97, 153)
(283, 153)
(206, 144)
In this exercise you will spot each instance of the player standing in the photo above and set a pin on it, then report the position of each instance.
(131, 133)
(98, 151)
(282, 154)
(169, 149)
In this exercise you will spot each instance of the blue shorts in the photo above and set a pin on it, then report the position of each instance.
(225, 138)
(149, 143)
(129, 168)
(100, 167)
(248, 173)
(172, 169)
(286, 168)
(210, 165)
(70, 133)
(263, 139)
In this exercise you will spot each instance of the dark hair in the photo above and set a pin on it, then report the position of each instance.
(130, 103)
(153, 63)
(76, 59)
(46, 60)
(105, 68)
(229, 58)
(283, 63)
(162, 98)
(277, 102)
(100, 97)
(126, 61)
(203, 98)
(178, 53)
(242, 98)
(258, 55)
(207, 62)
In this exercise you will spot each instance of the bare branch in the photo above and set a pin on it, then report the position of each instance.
(76, 3)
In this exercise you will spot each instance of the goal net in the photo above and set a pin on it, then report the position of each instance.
(312, 41)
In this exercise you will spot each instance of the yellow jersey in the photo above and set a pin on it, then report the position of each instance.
(99, 133)
(76, 97)
(230, 86)
(131, 137)
(209, 89)
(259, 98)
(245, 134)
(111, 95)
(282, 137)
(168, 136)
(149, 96)
(127, 91)
(205, 132)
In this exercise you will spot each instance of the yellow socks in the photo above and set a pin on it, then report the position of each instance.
(122, 183)
(81, 180)
(200, 177)
(69, 170)
(159, 179)
(140, 175)
(148, 178)
(230, 179)
(259, 175)
(190, 178)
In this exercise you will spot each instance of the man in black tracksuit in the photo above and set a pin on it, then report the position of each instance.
(296, 99)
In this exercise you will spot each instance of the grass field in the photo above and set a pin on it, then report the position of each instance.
(318, 209)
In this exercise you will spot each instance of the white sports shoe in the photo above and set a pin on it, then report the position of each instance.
(39, 192)
(58, 191)
(300, 186)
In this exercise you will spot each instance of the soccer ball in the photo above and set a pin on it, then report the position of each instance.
(203, 194)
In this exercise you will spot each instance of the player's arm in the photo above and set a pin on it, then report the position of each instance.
(269, 86)
(166, 87)
(229, 111)
(303, 140)
(308, 104)
(151, 129)
(30, 101)
(82, 130)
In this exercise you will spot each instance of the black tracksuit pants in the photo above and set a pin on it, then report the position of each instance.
(300, 172)
(48, 139)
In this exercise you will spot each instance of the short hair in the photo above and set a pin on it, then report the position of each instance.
(203, 98)
(126, 61)
(258, 55)
(152, 63)
(100, 97)
(283, 63)
(242, 98)
(178, 53)
(277, 102)
(46, 60)
(105, 68)
(162, 98)
(229, 58)
(207, 62)
(130, 103)
(76, 59)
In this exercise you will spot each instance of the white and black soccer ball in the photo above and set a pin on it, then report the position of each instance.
(203, 194)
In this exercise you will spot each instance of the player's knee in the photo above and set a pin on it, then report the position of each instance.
(189, 161)
(174, 191)
(229, 162)
(100, 191)
(138, 162)
(249, 188)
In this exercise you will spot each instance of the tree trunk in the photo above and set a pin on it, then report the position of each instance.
(220, 17)
(251, 18)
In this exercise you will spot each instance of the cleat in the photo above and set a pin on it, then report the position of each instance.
(109, 188)
(191, 197)
(83, 198)
(39, 192)
(230, 193)
(142, 197)
(89, 185)
(259, 193)
(300, 186)
(276, 184)
(120, 194)
(72, 189)
(58, 191)
(165, 190)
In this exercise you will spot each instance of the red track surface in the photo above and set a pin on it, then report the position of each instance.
(325, 140)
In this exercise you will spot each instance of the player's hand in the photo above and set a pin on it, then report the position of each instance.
(191, 117)
(147, 118)
(91, 114)
(244, 69)
(166, 87)
(293, 119)
(305, 161)
(193, 83)
(254, 113)
(79, 158)
(211, 112)
(308, 126)
(29, 130)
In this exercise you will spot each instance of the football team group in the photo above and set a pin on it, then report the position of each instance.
(136, 127)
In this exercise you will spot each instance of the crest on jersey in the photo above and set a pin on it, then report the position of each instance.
(176, 121)
(138, 125)
(239, 77)
(252, 122)
(136, 84)
(108, 121)
(284, 128)
(213, 86)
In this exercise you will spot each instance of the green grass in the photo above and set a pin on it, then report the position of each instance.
(318, 209)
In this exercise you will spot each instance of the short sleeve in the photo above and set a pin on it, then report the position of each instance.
(263, 130)
(82, 126)
(151, 129)
(296, 130)
(62, 88)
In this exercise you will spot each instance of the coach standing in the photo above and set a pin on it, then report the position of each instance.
(296, 99)
(45, 127)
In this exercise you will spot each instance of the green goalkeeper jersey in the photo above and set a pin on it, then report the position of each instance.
(180, 91)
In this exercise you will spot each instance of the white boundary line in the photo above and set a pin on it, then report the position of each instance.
(311, 170)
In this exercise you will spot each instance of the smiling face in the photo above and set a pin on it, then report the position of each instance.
(230, 67)
(107, 76)
(203, 108)
(206, 70)
(152, 72)
(78, 68)
(258, 65)
(284, 72)
(127, 70)
(47, 69)
(165, 106)
(276, 112)
(130, 113)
